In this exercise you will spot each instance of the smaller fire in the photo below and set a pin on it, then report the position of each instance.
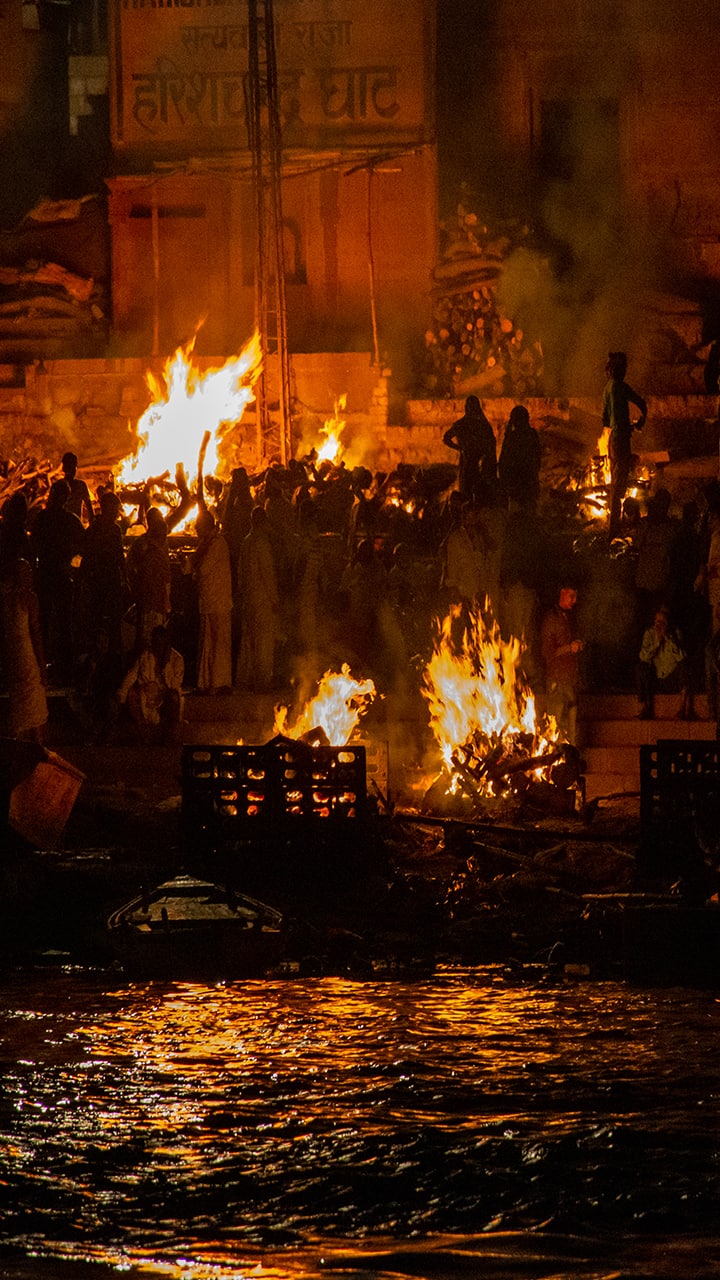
(482, 712)
(331, 449)
(334, 713)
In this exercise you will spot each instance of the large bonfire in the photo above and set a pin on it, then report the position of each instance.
(186, 404)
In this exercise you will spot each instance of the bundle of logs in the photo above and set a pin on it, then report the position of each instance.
(29, 477)
(487, 770)
(472, 340)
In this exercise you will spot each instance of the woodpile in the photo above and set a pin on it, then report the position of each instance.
(48, 311)
(28, 476)
(488, 772)
(472, 340)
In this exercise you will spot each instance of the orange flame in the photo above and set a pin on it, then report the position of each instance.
(331, 449)
(187, 403)
(603, 452)
(336, 708)
(474, 687)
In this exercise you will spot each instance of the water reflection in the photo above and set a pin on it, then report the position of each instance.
(259, 1127)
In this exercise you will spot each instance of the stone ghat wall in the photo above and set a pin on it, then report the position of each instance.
(93, 406)
(677, 426)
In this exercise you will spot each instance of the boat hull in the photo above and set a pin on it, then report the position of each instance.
(189, 928)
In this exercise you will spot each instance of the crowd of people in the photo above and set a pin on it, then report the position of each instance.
(303, 568)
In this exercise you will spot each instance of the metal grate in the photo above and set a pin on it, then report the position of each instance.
(679, 805)
(283, 786)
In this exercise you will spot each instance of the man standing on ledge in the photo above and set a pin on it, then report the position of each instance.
(617, 398)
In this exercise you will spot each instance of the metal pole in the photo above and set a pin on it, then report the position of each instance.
(371, 268)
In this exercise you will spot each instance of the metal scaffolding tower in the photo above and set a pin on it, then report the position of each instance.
(264, 136)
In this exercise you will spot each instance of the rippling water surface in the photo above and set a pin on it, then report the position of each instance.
(464, 1125)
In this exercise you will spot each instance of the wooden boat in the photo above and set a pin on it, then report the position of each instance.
(188, 927)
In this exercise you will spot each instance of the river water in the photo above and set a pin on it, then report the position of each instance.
(473, 1124)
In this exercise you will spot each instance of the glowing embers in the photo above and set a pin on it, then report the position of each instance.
(483, 717)
(225, 784)
(321, 782)
(331, 717)
(244, 789)
(187, 403)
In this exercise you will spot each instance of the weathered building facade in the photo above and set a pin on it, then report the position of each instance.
(355, 92)
(599, 124)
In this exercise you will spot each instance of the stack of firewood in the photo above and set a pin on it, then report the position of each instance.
(472, 340)
(28, 476)
(487, 770)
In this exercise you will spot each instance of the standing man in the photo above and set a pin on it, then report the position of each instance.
(474, 439)
(617, 398)
(80, 501)
(214, 586)
(57, 540)
(560, 649)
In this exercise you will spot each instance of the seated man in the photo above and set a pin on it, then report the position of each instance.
(152, 690)
(663, 668)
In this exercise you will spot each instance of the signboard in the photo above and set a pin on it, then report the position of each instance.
(350, 73)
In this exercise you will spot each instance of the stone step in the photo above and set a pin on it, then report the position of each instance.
(625, 706)
(636, 733)
(611, 771)
(228, 717)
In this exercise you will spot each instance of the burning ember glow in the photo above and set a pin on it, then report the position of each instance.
(331, 449)
(482, 713)
(602, 458)
(186, 404)
(334, 712)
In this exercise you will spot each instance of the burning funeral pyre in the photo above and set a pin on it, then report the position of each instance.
(333, 714)
(190, 410)
(495, 749)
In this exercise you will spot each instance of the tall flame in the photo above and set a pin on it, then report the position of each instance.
(336, 708)
(473, 686)
(187, 403)
(331, 449)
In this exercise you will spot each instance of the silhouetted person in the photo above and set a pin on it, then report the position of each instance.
(80, 500)
(214, 583)
(93, 701)
(102, 582)
(149, 575)
(656, 543)
(58, 538)
(259, 608)
(474, 439)
(14, 536)
(617, 398)
(23, 653)
(560, 649)
(519, 462)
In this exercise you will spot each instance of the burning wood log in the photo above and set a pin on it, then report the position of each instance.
(21, 475)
